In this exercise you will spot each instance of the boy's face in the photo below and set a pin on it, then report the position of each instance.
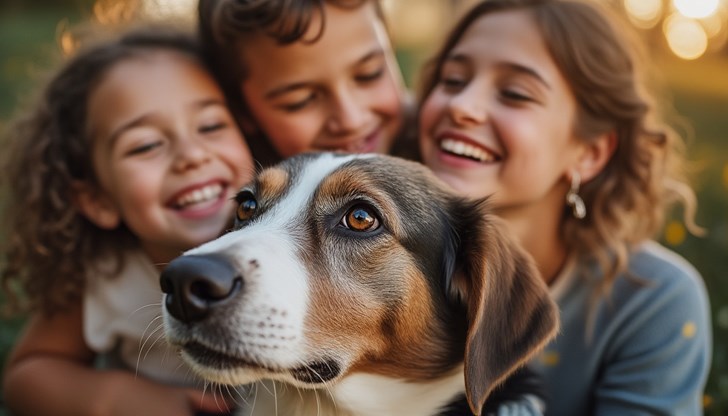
(342, 92)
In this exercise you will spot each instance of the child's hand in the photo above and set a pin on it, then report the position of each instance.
(208, 403)
(145, 398)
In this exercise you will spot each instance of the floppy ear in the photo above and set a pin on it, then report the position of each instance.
(95, 206)
(510, 313)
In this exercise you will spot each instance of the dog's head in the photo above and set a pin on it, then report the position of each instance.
(347, 264)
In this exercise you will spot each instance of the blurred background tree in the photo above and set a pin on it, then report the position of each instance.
(686, 41)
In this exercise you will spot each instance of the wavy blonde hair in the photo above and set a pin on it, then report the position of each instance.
(628, 201)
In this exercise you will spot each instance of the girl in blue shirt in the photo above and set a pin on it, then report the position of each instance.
(539, 106)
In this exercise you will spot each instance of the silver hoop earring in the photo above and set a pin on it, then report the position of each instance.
(573, 199)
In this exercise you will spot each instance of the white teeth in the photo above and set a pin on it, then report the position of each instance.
(209, 192)
(464, 149)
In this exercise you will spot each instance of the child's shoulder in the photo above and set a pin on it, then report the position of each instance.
(654, 262)
(660, 280)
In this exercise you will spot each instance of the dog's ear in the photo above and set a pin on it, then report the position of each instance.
(510, 313)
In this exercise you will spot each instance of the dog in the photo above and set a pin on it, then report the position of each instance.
(357, 285)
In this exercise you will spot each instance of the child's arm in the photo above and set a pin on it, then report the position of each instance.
(50, 372)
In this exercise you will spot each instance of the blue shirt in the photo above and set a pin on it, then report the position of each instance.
(644, 349)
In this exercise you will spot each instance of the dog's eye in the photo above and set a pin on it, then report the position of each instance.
(246, 206)
(360, 218)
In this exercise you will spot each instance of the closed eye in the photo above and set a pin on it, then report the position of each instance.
(209, 128)
(371, 76)
(145, 148)
(299, 105)
(453, 83)
(515, 96)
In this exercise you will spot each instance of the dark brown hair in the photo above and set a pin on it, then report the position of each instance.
(51, 248)
(628, 200)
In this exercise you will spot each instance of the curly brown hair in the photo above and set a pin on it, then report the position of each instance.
(51, 248)
(224, 24)
(628, 201)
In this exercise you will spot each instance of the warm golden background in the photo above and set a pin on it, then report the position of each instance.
(686, 41)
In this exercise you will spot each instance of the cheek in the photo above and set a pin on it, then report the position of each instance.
(431, 113)
(522, 132)
(235, 153)
(290, 134)
(389, 104)
(135, 196)
(388, 98)
(293, 134)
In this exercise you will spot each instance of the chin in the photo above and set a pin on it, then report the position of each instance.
(200, 236)
(462, 186)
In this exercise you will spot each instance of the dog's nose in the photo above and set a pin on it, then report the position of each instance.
(196, 284)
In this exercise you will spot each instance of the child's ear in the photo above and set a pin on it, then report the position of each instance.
(96, 206)
(596, 155)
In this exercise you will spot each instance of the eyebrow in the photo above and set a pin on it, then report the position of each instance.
(511, 66)
(146, 119)
(527, 71)
(136, 122)
(283, 89)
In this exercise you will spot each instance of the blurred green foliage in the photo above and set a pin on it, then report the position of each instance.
(708, 115)
(28, 51)
(28, 48)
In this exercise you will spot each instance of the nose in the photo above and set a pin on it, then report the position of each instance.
(469, 106)
(196, 284)
(348, 112)
(191, 153)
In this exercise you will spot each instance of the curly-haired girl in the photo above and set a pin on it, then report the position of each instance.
(129, 158)
(538, 104)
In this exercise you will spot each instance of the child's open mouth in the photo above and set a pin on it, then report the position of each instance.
(466, 150)
(199, 198)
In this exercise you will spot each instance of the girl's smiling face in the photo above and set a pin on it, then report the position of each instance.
(167, 154)
(500, 118)
(342, 91)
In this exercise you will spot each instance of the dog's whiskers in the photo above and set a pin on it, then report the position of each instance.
(255, 396)
(159, 337)
(239, 394)
(275, 398)
(143, 341)
(139, 309)
(326, 385)
(318, 402)
(230, 395)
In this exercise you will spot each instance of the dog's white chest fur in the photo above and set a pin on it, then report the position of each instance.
(356, 395)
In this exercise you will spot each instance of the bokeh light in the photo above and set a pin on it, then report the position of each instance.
(713, 24)
(410, 21)
(722, 317)
(169, 9)
(115, 12)
(696, 8)
(686, 37)
(66, 41)
(675, 233)
(644, 14)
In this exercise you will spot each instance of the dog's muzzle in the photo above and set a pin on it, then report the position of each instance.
(196, 284)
